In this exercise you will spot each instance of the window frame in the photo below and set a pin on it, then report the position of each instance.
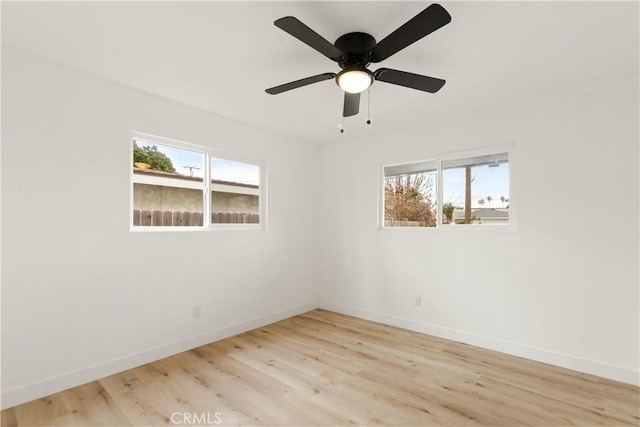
(208, 153)
(508, 148)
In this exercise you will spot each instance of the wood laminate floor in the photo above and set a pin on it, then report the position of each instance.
(322, 368)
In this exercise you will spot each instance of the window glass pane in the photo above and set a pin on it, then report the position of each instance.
(235, 192)
(167, 185)
(410, 195)
(475, 190)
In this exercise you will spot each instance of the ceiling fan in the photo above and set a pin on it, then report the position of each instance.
(355, 51)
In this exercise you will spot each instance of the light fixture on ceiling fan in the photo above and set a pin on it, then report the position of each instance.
(354, 80)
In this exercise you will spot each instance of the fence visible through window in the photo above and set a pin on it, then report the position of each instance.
(178, 218)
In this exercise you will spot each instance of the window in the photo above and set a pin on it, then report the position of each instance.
(452, 190)
(179, 185)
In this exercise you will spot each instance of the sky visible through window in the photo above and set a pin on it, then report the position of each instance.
(486, 181)
(189, 163)
(228, 170)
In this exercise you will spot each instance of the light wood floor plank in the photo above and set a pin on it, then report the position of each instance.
(326, 369)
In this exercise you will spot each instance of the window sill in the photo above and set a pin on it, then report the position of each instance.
(217, 227)
(458, 228)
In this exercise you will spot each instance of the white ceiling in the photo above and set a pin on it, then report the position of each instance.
(220, 56)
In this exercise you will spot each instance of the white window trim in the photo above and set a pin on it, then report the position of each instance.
(208, 153)
(508, 148)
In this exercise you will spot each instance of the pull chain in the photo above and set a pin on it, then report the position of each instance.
(368, 106)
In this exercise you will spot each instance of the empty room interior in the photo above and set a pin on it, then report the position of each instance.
(320, 213)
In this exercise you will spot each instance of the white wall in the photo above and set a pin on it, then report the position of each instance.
(561, 288)
(82, 296)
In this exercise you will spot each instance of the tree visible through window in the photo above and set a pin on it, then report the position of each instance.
(148, 154)
(410, 195)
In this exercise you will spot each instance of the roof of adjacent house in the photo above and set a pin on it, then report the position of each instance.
(490, 213)
(152, 172)
(483, 213)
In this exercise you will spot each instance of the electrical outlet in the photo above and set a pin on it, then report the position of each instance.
(196, 311)
(418, 301)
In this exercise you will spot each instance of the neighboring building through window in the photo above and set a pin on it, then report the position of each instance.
(454, 190)
(169, 184)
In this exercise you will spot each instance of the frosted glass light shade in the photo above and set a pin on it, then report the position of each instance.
(354, 81)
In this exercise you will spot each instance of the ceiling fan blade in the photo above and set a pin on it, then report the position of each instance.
(351, 104)
(309, 37)
(424, 23)
(410, 80)
(299, 83)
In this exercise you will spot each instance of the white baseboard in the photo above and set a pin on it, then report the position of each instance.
(617, 373)
(36, 390)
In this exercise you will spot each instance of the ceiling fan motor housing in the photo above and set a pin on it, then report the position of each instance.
(356, 48)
